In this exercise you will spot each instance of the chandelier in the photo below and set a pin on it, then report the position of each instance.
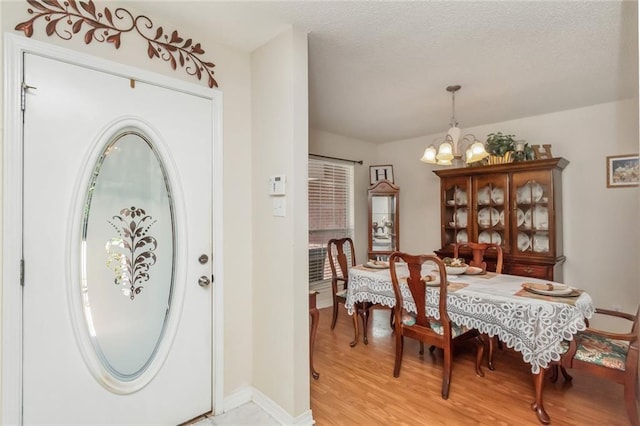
(450, 150)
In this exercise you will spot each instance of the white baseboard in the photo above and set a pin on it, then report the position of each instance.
(236, 399)
(248, 394)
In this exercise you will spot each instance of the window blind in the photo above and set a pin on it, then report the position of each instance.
(330, 211)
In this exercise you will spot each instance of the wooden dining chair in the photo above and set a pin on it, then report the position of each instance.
(478, 251)
(342, 256)
(442, 333)
(611, 356)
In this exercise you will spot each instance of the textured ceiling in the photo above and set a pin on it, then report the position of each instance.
(378, 70)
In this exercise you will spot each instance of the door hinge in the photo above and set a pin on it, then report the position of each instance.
(23, 95)
(21, 272)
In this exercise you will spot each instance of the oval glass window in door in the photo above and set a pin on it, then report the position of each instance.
(127, 255)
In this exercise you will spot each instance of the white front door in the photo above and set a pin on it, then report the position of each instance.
(117, 249)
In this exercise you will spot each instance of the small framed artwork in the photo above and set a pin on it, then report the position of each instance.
(377, 173)
(622, 170)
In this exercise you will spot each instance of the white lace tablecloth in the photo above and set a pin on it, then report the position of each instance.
(489, 304)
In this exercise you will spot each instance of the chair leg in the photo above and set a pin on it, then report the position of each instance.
(565, 374)
(335, 313)
(391, 317)
(421, 352)
(446, 372)
(554, 373)
(399, 351)
(479, 355)
(630, 396)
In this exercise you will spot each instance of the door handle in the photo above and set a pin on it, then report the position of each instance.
(204, 281)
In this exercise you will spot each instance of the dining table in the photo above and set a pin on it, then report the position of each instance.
(534, 324)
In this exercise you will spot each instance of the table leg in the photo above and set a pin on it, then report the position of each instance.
(315, 314)
(538, 381)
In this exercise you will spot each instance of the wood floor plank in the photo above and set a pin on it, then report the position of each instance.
(357, 387)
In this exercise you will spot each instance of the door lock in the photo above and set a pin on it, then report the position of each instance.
(203, 259)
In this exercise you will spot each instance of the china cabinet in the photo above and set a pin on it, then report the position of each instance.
(384, 226)
(517, 205)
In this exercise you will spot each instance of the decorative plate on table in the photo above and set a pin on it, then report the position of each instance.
(377, 264)
(540, 243)
(456, 270)
(460, 217)
(472, 270)
(484, 196)
(431, 280)
(462, 237)
(488, 216)
(497, 196)
(524, 242)
(489, 237)
(557, 290)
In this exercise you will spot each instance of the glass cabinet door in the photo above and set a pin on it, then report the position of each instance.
(491, 210)
(533, 208)
(384, 226)
(456, 211)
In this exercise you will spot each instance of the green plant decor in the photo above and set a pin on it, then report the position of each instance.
(499, 144)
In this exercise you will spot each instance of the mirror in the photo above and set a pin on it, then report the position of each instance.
(384, 235)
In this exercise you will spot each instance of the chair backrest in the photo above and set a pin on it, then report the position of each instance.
(342, 256)
(478, 251)
(419, 289)
(634, 334)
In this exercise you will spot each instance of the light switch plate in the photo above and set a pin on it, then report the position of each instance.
(279, 206)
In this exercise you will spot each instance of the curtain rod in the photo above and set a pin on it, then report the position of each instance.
(336, 158)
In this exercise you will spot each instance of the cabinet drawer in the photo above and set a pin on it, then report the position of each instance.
(535, 271)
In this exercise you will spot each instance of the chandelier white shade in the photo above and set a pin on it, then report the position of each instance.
(450, 150)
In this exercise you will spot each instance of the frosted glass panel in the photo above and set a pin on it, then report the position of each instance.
(127, 255)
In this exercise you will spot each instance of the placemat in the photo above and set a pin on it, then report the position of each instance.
(568, 300)
(456, 286)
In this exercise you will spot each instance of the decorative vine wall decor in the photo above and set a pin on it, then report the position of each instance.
(66, 18)
(131, 255)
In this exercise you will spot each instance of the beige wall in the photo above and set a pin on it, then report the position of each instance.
(280, 290)
(601, 232)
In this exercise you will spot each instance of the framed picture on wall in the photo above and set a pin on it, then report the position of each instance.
(377, 173)
(622, 170)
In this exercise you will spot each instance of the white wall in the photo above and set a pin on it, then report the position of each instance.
(600, 224)
(280, 289)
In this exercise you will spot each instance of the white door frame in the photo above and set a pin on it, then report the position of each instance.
(11, 345)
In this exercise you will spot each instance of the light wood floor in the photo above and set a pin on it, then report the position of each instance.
(357, 387)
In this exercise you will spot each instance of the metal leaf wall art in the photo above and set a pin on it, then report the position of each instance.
(66, 18)
(131, 254)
